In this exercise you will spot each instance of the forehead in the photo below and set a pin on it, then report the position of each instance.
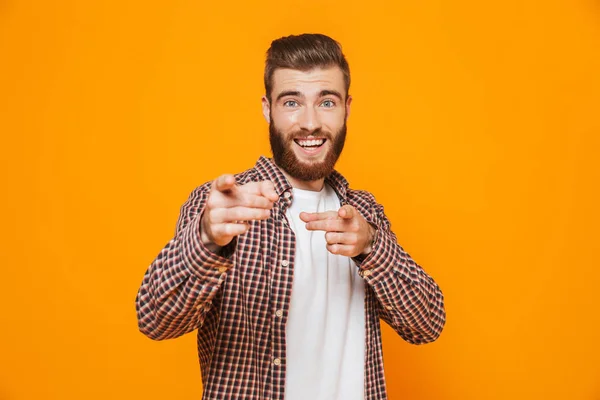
(309, 82)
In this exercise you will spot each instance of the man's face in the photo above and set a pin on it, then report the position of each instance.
(307, 120)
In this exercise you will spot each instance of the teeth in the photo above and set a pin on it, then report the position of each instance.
(313, 142)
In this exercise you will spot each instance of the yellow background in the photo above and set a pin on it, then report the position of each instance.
(475, 123)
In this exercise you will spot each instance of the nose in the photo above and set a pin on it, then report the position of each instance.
(309, 120)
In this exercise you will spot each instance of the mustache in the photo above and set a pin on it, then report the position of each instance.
(317, 134)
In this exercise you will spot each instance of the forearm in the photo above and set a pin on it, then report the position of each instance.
(182, 281)
(410, 300)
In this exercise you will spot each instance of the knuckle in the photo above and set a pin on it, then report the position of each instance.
(212, 214)
(209, 215)
(244, 200)
(210, 202)
(329, 237)
(257, 202)
(216, 231)
(253, 201)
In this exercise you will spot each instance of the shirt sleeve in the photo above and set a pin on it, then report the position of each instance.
(409, 299)
(179, 285)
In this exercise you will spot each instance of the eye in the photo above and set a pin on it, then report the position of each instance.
(290, 103)
(328, 103)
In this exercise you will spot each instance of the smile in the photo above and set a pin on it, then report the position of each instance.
(310, 143)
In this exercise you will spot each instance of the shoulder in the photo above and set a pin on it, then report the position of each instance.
(363, 201)
(368, 206)
(361, 197)
(247, 176)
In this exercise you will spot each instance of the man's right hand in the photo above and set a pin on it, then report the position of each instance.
(229, 207)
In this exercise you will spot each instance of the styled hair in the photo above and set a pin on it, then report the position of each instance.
(304, 52)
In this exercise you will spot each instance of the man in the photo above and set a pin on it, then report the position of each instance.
(284, 270)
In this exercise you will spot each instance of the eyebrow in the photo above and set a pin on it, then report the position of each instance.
(296, 93)
(289, 93)
(331, 93)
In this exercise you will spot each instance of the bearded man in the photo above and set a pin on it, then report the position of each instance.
(284, 270)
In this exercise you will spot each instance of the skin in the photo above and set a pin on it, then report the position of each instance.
(229, 205)
(302, 102)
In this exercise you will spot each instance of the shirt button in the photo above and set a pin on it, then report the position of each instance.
(279, 313)
(287, 195)
(389, 308)
(277, 361)
(366, 272)
(285, 263)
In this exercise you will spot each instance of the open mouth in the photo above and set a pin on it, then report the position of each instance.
(310, 144)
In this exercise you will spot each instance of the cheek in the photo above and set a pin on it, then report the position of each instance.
(333, 122)
(292, 118)
(285, 122)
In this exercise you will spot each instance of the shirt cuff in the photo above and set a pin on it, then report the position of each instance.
(385, 258)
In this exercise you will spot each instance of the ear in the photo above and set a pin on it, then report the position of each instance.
(348, 103)
(266, 108)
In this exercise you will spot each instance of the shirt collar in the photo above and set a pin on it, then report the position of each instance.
(268, 170)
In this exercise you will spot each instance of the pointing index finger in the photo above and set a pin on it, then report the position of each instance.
(318, 216)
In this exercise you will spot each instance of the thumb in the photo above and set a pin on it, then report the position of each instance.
(346, 212)
(268, 190)
(224, 183)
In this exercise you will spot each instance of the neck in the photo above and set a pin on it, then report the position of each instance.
(314, 186)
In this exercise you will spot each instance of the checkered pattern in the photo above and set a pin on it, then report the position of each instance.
(239, 302)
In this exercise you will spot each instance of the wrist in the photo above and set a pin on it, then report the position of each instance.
(207, 240)
(371, 242)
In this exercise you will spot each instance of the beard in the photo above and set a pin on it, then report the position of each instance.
(286, 159)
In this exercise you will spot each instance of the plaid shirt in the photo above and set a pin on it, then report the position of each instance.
(239, 302)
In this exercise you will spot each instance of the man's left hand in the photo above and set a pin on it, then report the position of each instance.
(347, 232)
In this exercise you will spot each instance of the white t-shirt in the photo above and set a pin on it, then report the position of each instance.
(325, 331)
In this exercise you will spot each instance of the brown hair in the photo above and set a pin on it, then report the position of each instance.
(304, 52)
